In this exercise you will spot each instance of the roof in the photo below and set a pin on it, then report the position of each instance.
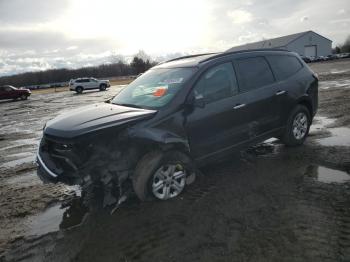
(279, 42)
(186, 61)
(195, 60)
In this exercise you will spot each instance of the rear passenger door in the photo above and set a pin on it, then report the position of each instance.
(259, 91)
(222, 121)
(285, 69)
(88, 84)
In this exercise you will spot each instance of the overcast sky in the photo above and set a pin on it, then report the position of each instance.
(43, 34)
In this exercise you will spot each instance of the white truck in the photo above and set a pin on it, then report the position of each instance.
(80, 84)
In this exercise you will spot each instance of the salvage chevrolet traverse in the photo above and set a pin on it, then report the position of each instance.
(180, 115)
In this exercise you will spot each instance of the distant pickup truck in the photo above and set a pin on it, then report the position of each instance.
(80, 84)
(11, 92)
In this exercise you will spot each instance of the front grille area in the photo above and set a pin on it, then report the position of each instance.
(63, 158)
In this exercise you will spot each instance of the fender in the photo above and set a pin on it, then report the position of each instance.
(164, 138)
(307, 101)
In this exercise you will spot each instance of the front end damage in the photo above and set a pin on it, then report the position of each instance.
(106, 160)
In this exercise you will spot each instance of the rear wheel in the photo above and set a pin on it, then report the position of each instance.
(160, 175)
(298, 126)
(79, 90)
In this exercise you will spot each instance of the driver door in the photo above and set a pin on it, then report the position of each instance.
(221, 123)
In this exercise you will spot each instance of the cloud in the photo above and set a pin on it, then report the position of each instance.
(32, 11)
(73, 47)
(304, 19)
(40, 34)
(240, 16)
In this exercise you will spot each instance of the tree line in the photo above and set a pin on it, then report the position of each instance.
(343, 48)
(137, 66)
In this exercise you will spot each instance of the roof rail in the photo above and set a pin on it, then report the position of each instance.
(184, 57)
(242, 51)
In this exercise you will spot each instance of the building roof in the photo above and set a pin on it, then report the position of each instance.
(279, 42)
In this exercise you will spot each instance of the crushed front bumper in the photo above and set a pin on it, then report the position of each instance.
(44, 173)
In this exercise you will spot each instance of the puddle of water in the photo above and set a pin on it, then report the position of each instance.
(46, 222)
(334, 84)
(321, 122)
(327, 175)
(57, 217)
(336, 71)
(340, 136)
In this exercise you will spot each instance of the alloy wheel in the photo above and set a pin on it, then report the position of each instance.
(300, 125)
(168, 181)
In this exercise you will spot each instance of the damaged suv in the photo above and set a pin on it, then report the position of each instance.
(180, 115)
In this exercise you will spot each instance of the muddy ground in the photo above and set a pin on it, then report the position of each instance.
(269, 203)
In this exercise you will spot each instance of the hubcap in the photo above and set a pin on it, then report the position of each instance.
(168, 181)
(300, 125)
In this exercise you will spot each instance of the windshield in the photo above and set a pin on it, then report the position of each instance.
(154, 89)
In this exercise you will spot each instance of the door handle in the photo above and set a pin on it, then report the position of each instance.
(280, 92)
(238, 106)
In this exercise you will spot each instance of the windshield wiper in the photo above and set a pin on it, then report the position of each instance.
(128, 105)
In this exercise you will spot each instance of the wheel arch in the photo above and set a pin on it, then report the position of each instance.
(306, 101)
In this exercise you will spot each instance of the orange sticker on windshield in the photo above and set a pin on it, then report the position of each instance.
(160, 92)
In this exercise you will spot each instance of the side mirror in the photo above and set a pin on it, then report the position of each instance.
(199, 101)
(196, 100)
(109, 100)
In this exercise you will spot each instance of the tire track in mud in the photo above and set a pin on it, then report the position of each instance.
(325, 234)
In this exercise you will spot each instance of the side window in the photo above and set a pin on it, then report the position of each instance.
(253, 73)
(217, 83)
(284, 66)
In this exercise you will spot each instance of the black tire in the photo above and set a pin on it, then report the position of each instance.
(149, 164)
(24, 97)
(79, 89)
(290, 138)
(103, 87)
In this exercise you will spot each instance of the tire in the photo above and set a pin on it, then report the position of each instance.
(154, 171)
(298, 126)
(24, 97)
(79, 89)
(103, 87)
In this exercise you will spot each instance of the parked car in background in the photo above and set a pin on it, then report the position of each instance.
(11, 92)
(179, 115)
(332, 57)
(81, 84)
(344, 55)
(306, 59)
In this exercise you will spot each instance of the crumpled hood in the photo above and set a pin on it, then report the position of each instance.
(92, 118)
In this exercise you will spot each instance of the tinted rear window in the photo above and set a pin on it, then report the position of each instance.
(253, 73)
(284, 66)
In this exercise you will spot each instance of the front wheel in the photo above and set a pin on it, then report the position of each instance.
(79, 90)
(161, 175)
(298, 126)
(103, 87)
(24, 97)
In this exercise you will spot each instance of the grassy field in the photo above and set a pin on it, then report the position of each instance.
(65, 88)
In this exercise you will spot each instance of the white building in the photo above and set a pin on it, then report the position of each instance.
(306, 43)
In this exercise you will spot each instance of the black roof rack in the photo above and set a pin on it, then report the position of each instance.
(184, 57)
(241, 51)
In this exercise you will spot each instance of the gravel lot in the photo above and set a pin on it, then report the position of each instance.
(269, 203)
